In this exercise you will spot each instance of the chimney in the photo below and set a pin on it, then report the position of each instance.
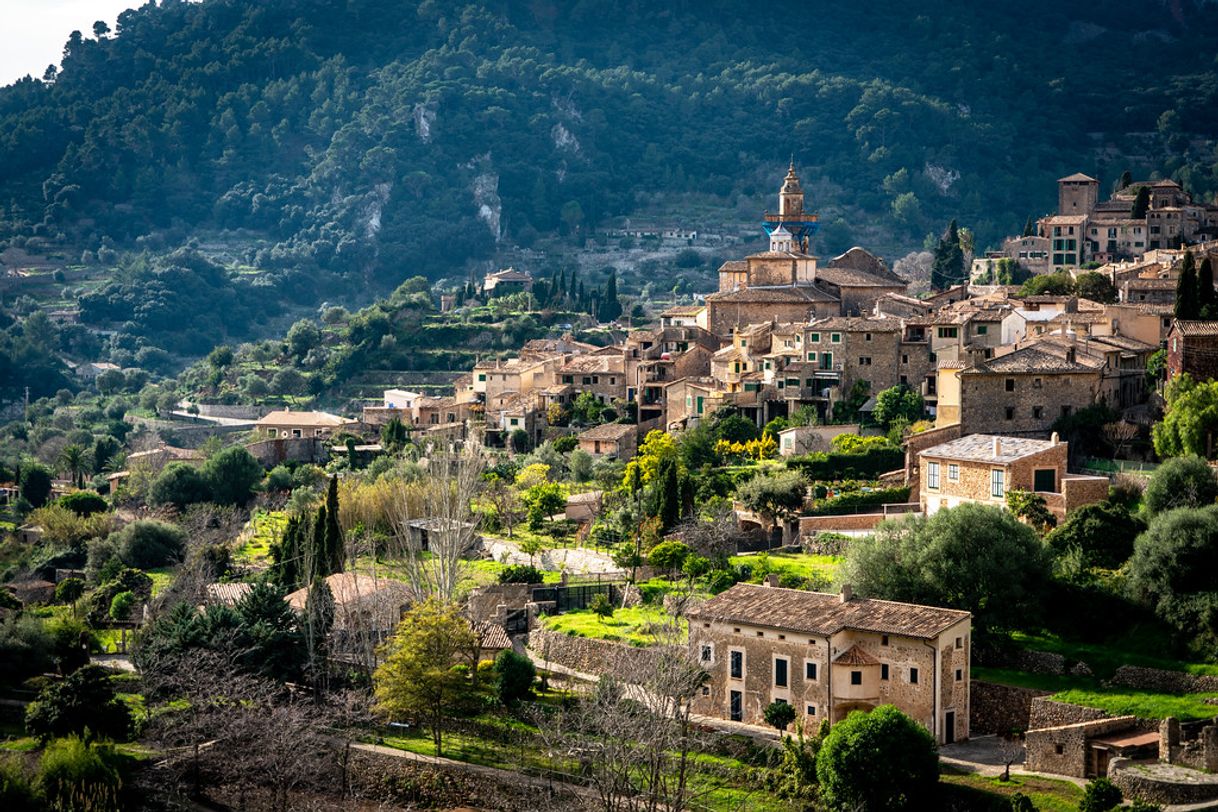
(997, 446)
(846, 594)
(1053, 438)
(771, 579)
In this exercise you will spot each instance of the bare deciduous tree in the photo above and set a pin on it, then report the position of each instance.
(1119, 434)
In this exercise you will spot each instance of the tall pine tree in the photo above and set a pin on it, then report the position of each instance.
(1207, 301)
(1187, 305)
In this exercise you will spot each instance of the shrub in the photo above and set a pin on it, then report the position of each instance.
(1180, 482)
(878, 760)
(1103, 533)
(520, 574)
(601, 605)
(514, 675)
(846, 502)
(877, 459)
(149, 543)
(84, 503)
(84, 701)
(668, 555)
(231, 475)
(35, 484)
(1100, 795)
(17, 793)
(76, 776)
(121, 606)
(69, 590)
(566, 444)
(279, 479)
(180, 484)
(779, 714)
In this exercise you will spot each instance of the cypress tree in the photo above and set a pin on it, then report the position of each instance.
(668, 494)
(285, 556)
(1141, 203)
(1125, 181)
(948, 266)
(560, 291)
(1187, 305)
(1207, 302)
(316, 559)
(1029, 228)
(610, 305)
(336, 552)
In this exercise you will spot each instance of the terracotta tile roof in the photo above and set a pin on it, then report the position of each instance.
(683, 310)
(350, 587)
(228, 594)
(980, 448)
(855, 656)
(1196, 328)
(777, 295)
(594, 363)
(609, 431)
(490, 635)
(1028, 359)
(824, 614)
(734, 266)
(288, 418)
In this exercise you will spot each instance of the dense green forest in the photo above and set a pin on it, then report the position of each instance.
(337, 147)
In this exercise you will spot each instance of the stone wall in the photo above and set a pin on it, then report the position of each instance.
(1047, 713)
(484, 601)
(301, 449)
(1161, 681)
(809, 525)
(1000, 708)
(587, 655)
(1156, 785)
(232, 411)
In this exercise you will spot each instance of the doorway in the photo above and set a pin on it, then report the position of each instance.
(949, 727)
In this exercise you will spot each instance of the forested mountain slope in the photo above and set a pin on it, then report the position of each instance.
(389, 138)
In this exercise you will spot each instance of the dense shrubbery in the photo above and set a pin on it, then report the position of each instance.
(833, 465)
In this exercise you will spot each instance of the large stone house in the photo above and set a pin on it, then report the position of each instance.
(288, 424)
(828, 655)
(983, 468)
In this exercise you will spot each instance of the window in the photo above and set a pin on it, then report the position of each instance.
(811, 356)
(932, 475)
(515, 422)
(814, 337)
(587, 380)
(1038, 412)
(884, 671)
(856, 677)
(959, 642)
(948, 332)
(1010, 413)
(811, 710)
(482, 377)
(568, 379)
(883, 640)
(1059, 749)
(959, 675)
(780, 672)
(905, 358)
(736, 706)
(913, 676)
(1010, 384)
(996, 483)
(1044, 480)
(810, 671)
(866, 336)
(953, 472)
(836, 338)
(982, 329)
(737, 665)
(864, 360)
(706, 652)
(744, 342)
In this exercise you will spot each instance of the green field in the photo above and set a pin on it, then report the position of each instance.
(1047, 794)
(264, 529)
(636, 625)
(800, 565)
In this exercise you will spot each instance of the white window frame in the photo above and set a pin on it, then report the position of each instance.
(932, 476)
(953, 472)
(997, 483)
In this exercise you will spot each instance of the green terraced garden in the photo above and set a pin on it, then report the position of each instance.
(634, 625)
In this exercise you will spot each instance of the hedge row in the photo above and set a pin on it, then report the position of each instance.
(834, 465)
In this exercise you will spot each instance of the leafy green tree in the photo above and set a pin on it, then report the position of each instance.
(520, 574)
(897, 403)
(35, 484)
(1103, 534)
(601, 606)
(1191, 421)
(69, 590)
(1032, 508)
(425, 674)
(84, 503)
(1096, 287)
(1049, 284)
(1187, 304)
(1173, 568)
(231, 475)
(668, 555)
(973, 557)
(394, 435)
(84, 702)
(121, 606)
(180, 484)
(776, 496)
(878, 760)
(735, 428)
(1180, 482)
(1100, 795)
(779, 714)
(302, 337)
(519, 441)
(150, 543)
(514, 676)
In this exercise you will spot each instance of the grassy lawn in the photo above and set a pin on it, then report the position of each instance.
(485, 571)
(632, 625)
(1104, 659)
(799, 565)
(1088, 691)
(264, 528)
(161, 577)
(1047, 794)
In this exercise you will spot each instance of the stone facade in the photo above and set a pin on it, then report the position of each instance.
(1063, 749)
(1000, 709)
(828, 675)
(1192, 349)
(986, 400)
(1156, 785)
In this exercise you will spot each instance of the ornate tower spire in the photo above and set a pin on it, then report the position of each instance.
(791, 196)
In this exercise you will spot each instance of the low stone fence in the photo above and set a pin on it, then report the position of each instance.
(830, 524)
(1046, 713)
(1161, 681)
(1161, 784)
(1000, 709)
(588, 655)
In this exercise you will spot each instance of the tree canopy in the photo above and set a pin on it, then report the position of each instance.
(878, 760)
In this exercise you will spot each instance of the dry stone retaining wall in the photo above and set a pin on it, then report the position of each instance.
(1160, 784)
(1161, 681)
(1045, 712)
(588, 655)
(1000, 708)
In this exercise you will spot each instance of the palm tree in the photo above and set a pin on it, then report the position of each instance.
(74, 460)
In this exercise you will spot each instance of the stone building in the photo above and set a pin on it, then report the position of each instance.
(507, 281)
(290, 424)
(829, 655)
(1020, 393)
(982, 468)
(1192, 348)
(617, 440)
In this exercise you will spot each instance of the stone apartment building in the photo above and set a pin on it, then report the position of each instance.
(983, 468)
(1192, 348)
(828, 655)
